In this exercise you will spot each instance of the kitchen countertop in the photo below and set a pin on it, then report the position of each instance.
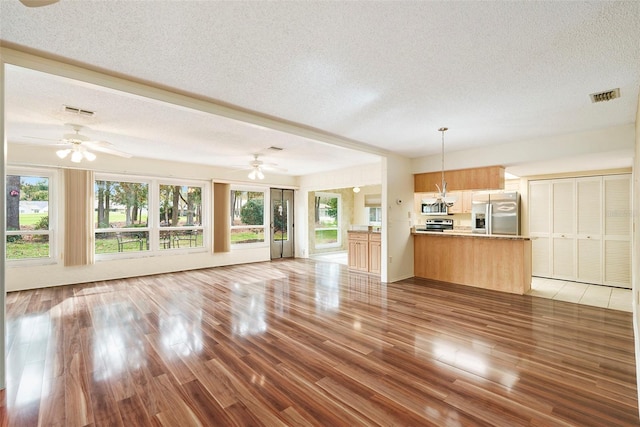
(417, 232)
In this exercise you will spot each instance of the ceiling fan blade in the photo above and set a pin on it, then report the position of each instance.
(272, 167)
(57, 141)
(105, 147)
(108, 150)
(38, 3)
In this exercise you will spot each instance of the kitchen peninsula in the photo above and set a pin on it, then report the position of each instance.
(501, 263)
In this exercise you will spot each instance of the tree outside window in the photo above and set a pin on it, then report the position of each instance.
(180, 216)
(119, 207)
(28, 232)
(247, 216)
(327, 223)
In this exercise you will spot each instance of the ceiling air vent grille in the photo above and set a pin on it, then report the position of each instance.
(78, 111)
(605, 96)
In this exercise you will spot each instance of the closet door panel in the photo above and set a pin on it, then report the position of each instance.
(540, 227)
(563, 229)
(540, 257)
(617, 263)
(617, 230)
(563, 258)
(589, 227)
(589, 261)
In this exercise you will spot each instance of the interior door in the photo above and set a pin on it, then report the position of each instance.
(540, 227)
(589, 229)
(282, 223)
(563, 225)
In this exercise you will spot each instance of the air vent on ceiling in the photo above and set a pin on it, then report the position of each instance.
(274, 148)
(605, 96)
(78, 111)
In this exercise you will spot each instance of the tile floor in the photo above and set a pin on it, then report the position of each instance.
(580, 293)
(339, 257)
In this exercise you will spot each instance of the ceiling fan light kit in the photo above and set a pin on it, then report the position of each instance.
(77, 154)
(256, 173)
(256, 166)
(80, 146)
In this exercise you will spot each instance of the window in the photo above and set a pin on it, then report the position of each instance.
(327, 224)
(247, 216)
(121, 216)
(180, 216)
(29, 233)
(375, 216)
(138, 216)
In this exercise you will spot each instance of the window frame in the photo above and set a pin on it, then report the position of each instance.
(338, 226)
(198, 228)
(96, 230)
(377, 211)
(153, 227)
(54, 229)
(265, 218)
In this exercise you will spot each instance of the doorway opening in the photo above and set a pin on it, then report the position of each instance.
(282, 236)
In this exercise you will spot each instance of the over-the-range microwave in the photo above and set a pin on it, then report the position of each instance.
(434, 209)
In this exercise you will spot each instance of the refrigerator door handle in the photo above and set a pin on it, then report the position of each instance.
(488, 213)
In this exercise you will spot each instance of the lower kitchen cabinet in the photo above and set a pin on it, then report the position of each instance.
(365, 251)
(375, 253)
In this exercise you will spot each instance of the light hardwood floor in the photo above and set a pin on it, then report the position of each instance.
(304, 343)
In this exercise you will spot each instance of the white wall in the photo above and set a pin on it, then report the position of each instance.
(397, 202)
(3, 210)
(600, 149)
(635, 272)
(360, 213)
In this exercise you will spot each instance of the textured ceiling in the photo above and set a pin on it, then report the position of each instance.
(385, 74)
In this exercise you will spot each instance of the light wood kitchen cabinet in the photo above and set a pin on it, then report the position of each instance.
(359, 251)
(487, 178)
(490, 262)
(375, 253)
(463, 202)
(365, 249)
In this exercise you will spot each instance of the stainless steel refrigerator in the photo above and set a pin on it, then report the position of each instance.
(496, 213)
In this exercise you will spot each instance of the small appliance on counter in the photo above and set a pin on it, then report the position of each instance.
(496, 213)
(438, 224)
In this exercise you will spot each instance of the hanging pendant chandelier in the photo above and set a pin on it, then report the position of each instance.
(442, 197)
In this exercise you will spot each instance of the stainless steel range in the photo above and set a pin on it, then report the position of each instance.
(438, 224)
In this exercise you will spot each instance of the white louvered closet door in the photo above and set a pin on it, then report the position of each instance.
(617, 231)
(589, 230)
(540, 227)
(563, 235)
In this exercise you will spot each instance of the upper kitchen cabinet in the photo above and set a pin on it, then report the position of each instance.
(487, 178)
(463, 202)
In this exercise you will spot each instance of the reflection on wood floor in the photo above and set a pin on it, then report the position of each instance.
(300, 342)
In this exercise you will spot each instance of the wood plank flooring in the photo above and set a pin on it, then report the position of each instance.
(308, 343)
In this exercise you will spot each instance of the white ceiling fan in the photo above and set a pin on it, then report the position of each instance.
(257, 167)
(78, 146)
